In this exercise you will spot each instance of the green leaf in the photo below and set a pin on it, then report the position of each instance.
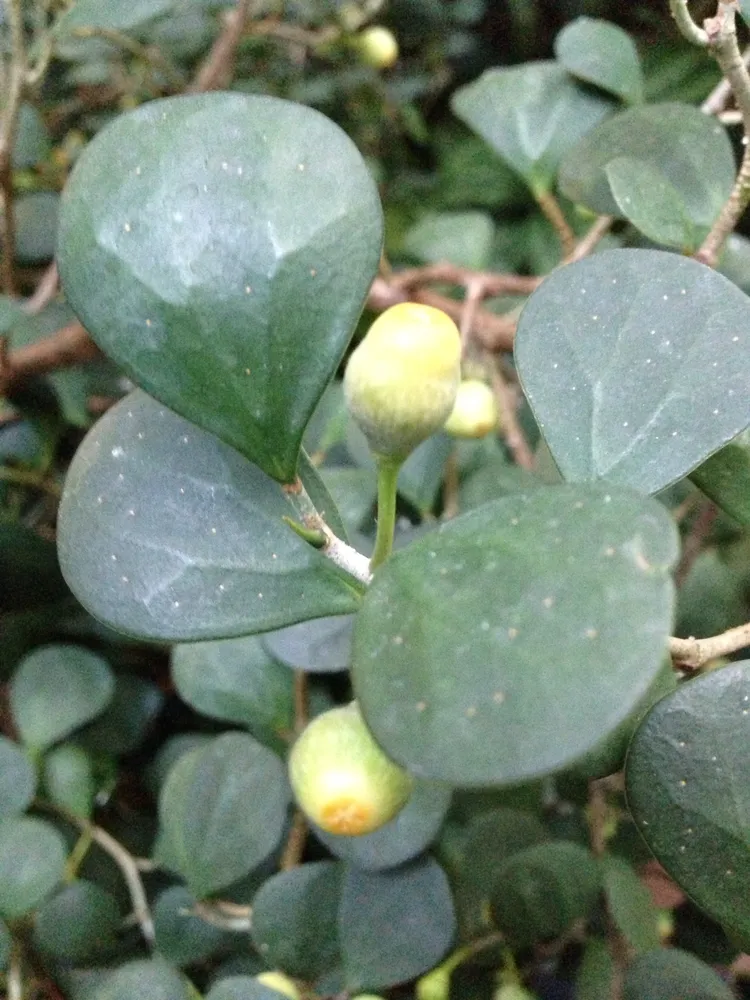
(579, 570)
(29, 573)
(725, 478)
(630, 904)
(152, 978)
(230, 292)
(410, 833)
(673, 973)
(200, 549)
(635, 363)
(17, 779)
(689, 149)
(539, 892)
(353, 491)
(36, 226)
(222, 811)
(77, 923)
(241, 988)
(530, 115)
(237, 681)
(596, 972)
(68, 775)
(463, 238)
(110, 14)
(599, 52)
(295, 920)
(57, 689)
(32, 142)
(32, 859)
(687, 789)
(6, 944)
(395, 925)
(125, 723)
(322, 645)
(181, 937)
(648, 200)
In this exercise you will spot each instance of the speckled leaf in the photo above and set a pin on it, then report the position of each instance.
(670, 972)
(601, 53)
(413, 830)
(541, 612)
(165, 532)
(687, 788)
(222, 811)
(220, 248)
(236, 680)
(725, 478)
(295, 920)
(321, 645)
(530, 115)
(690, 149)
(394, 926)
(636, 365)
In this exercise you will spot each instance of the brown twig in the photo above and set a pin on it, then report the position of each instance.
(592, 238)
(69, 346)
(692, 653)
(554, 214)
(30, 478)
(295, 843)
(451, 274)
(451, 483)
(234, 917)
(44, 293)
(217, 70)
(510, 429)
(8, 128)
(694, 540)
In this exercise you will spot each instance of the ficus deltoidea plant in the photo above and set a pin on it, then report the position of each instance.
(448, 737)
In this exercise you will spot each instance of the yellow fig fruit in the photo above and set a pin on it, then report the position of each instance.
(341, 778)
(281, 983)
(377, 47)
(474, 413)
(401, 381)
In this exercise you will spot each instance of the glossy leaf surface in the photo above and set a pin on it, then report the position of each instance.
(635, 363)
(687, 789)
(166, 533)
(219, 247)
(453, 666)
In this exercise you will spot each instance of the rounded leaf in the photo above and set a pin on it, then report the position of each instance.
(241, 988)
(321, 645)
(69, 782)
(152, 978)
(32, 859)
(166, 533)
(57, 689)
(673, 973)
(544, 612)
(182, 937)
(240, 230)
(6, 943)
(395, 925)
(77, 922)
(613, 353)
(222, 811)
(601, 53)
(17, 779)
(295, 920)
(687, 788)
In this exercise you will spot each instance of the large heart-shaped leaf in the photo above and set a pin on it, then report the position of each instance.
(689, 149)
(165, 532)
(636, 365)
(687, 788)
(509, 642)
(220, 247)
(530, 115)
(599, 52)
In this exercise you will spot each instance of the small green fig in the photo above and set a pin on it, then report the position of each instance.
(474, 413)
(281, 983)
(377, 47)
(401, 381)
(341, 778)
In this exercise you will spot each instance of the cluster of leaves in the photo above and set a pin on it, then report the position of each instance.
(219, 249)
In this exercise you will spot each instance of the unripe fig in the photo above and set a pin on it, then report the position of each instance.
(281, 983)
(513, 991)
(474, 413)
(402, 379)
(341, 778)
(377, 47)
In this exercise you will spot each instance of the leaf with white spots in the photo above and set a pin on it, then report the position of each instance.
(636, 365)
(687, 787)
(220, 248)
(512, 640)
(166, 533)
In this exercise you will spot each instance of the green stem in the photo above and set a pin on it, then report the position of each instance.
(388, 471)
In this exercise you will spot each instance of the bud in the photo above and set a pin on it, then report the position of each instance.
(377, 47)
(341, 778)
(280, 983)
(402, 379)
(474, 413)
